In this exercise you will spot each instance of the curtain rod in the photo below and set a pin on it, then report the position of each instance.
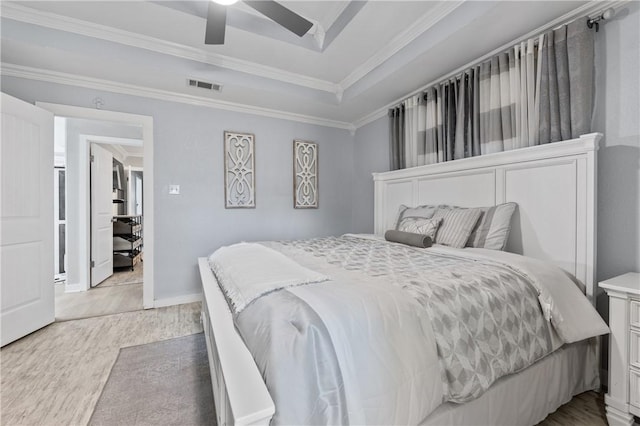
(591, 10)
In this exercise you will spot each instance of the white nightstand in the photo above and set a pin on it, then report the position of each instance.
(623, 397)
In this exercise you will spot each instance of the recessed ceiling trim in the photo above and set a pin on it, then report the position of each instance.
(336, 9)
(248, 19)
(127, 38)
(38, 74)
(427, 21)
(265, 27)
(346, 15)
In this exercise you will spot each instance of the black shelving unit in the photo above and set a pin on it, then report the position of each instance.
(127, 241)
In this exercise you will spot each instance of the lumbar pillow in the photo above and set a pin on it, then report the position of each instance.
(456, 226)
(419, 225)
(493, 228)
(408, 238)
(425, 212)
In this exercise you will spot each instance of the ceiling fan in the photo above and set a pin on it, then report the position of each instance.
(217, 18)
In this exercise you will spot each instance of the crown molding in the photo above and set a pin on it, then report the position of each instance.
(379, 113)
(54, 21)
(30, 73)
(427, 21)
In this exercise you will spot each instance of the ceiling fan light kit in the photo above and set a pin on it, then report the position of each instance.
(225, 2)
(217, 18)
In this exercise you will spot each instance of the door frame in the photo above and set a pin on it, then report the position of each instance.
(146, 122)
(85, 188)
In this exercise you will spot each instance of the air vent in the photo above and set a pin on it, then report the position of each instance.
(204, 85)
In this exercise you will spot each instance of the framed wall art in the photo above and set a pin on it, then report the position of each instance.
(239, 170)
(305, 175)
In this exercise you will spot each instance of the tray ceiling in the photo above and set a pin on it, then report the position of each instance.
(358, 57)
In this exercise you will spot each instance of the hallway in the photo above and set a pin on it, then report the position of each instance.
(122, 292)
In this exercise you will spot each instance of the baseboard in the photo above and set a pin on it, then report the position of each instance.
(179, 300)
(74, 288)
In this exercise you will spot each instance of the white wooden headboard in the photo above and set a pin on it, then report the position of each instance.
(554, 186)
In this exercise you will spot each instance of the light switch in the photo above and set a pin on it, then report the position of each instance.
(174, 189)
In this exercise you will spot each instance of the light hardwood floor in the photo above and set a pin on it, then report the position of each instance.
(121, 292)
(124, 276)
(55, 375)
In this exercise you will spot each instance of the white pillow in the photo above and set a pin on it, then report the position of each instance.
(457, 225)
(425, 212)
(493, 228)
(419, 225)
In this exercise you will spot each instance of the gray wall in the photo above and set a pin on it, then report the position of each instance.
(188, 152)
(617, 115)
(371, 154)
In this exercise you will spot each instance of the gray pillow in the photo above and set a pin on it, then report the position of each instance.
(408, 238)
(420, 225)
(456, 226)
(493, 228)
(425, 212)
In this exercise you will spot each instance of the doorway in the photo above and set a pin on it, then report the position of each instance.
(135, 174)
(115, 237)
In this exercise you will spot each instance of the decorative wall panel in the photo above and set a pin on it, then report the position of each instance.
(239, 170)
(305, 175)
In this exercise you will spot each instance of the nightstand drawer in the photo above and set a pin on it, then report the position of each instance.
(634, 313)
(634, 388)
(634, 348)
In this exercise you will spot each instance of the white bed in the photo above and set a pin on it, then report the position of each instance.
(554, 186)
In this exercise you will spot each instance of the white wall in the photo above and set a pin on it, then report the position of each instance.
(188, 151)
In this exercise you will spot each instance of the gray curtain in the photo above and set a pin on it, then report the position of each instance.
(396, 137)
(566, 85)
(539, 91)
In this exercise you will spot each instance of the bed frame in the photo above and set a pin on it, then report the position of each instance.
(554, 186)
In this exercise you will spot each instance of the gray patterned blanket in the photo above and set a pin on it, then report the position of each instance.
(485, 315)
(399, 330)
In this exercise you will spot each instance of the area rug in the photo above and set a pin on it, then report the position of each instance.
(160, 383)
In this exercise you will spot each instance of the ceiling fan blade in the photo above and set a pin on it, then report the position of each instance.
(216, 23)
(283, 16)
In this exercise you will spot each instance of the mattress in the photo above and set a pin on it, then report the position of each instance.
(399, 334)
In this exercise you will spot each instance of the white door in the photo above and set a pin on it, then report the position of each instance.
(101, 214)
(138, 195)
(26, 215)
